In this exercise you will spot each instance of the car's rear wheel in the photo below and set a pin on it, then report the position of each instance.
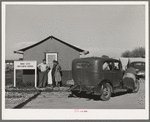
(137, 86)
(106, 92)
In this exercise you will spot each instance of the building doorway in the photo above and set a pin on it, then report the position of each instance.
(50, 57)
(49, 60)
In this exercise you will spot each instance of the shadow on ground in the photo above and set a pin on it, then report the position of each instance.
(24, 103)
(93, 97)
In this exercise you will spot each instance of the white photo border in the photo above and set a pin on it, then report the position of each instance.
(69, 114)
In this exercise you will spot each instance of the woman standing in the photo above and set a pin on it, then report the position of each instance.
(57, 74)
(53, 73)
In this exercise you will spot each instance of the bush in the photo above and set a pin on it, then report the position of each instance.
(9, 77)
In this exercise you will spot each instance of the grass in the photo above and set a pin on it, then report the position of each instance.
(9, 76)
(9, 79)
(27, 87)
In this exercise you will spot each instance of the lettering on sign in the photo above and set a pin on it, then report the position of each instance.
(25, 65)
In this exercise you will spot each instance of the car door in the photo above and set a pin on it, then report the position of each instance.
(107, 71)
(118, 73)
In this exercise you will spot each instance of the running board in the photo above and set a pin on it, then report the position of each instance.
(89, 92)
(120, 90)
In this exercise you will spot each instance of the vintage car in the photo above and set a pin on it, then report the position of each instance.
(140, 67)
(99, 76)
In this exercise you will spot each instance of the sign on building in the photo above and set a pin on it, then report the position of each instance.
(25, 65)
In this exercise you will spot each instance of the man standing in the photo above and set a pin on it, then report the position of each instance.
(43, 74)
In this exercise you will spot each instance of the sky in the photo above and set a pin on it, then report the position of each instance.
(100, 29)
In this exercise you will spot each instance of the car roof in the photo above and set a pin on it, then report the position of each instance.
(96, 58)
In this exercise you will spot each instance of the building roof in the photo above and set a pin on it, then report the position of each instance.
(77, 49)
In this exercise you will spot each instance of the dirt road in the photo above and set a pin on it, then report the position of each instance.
(60, 100)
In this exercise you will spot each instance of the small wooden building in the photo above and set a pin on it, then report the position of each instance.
(51, 49)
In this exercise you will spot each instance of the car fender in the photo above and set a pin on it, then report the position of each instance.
(98, 88)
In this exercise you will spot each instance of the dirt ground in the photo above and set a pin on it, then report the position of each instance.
(59, 99)
(16, 96)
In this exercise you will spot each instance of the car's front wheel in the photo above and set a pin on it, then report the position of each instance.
(106, 92)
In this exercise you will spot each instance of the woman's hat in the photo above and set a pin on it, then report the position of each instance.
(54, 61)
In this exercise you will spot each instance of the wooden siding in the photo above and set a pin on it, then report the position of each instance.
(65, 53)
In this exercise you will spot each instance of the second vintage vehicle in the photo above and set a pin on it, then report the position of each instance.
(140, 67)
(100, 76)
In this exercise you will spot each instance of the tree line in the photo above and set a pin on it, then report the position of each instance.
(137, 52)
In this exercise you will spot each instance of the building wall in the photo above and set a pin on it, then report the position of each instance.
(65, 53)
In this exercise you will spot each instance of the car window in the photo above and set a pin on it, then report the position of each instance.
(139, 64)
(82, 65)
(107, 66)
(117, 66)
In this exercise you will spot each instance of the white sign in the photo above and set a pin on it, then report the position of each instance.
(25, 65)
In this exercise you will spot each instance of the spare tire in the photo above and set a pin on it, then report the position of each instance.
(129, 81)
(137, 87)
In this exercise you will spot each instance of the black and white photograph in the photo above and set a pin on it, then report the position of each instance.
(75, 60)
